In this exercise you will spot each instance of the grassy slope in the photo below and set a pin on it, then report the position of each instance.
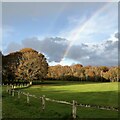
(91, 93)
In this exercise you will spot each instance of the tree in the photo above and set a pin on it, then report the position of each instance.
(26, 64)
(10, 63)
(33, 65)
(0, 67)
(113, 74)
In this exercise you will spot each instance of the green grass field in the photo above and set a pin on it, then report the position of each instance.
(87, 93)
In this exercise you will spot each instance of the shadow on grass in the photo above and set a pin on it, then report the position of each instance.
(60, 83)
(66, 118)
(94, 98)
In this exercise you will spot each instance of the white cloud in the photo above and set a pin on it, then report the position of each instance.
(113, 37)
(12, 47)
(105, 53)
(86, 38)
(67, 61)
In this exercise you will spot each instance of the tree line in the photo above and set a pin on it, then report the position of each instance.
(79, 72)
(29, 65)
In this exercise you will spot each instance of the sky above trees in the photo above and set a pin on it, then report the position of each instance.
(66, 33)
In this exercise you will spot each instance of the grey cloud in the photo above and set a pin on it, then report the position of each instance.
(117, 35)
(99, 54)
(87, 56)
(84, 45)
(58, 39)
(32, 43)
(111, 45)
(77, 52)
(107, 57)
(12, 47)
(48, 46)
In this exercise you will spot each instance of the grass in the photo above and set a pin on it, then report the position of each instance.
(0, 102)
(89, 93)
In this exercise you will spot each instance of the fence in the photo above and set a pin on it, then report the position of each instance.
(43, 98)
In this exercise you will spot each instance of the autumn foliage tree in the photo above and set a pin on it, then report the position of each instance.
(0, 67)
(112, 74)
(84, 73)
(26, 64)
(32, 66)
(10, 63)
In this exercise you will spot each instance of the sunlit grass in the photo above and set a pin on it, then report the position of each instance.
(100, 93)
(100, 87)
(90, 93)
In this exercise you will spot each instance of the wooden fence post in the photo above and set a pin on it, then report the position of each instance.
(74, 108)
(28, 100)
(18, 94)
(13, 92)
(7, 89)
(43, 102)
(12, 86)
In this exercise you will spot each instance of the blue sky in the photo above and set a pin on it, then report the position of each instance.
(66, 33)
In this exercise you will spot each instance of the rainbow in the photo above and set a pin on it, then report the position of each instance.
(74, 36)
